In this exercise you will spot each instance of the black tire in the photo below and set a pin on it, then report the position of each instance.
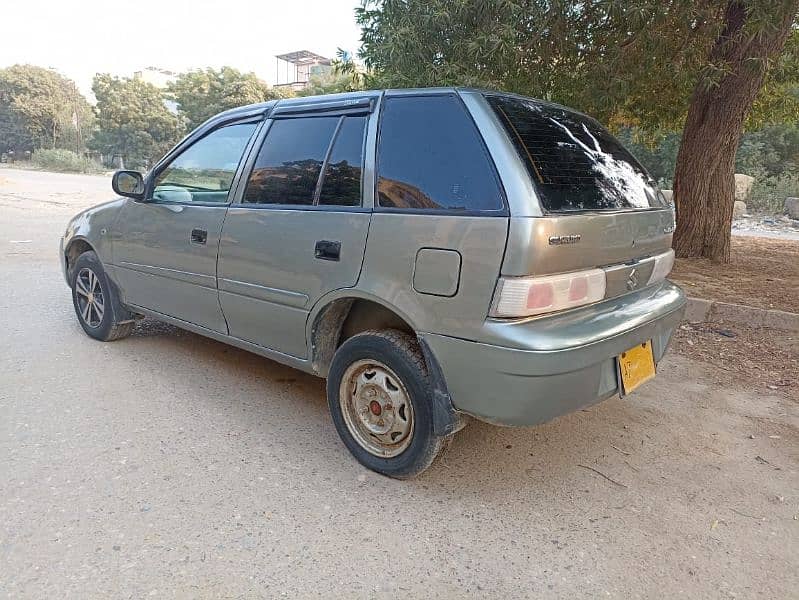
(399, 352)
(115, 322)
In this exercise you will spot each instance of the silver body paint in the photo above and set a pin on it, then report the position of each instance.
(257, 285)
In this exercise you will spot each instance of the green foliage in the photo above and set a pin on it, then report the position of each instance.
(769, 191)
(41, 109)
(64, 161)
(132, 121)
(773, 150)
(14, 134)
(332, 82)
(627, 62)
(345, 66)
(778, 100)
(770, 155)
(202, 94)
(658, 154)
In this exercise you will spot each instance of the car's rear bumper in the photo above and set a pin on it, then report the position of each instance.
(534, 370)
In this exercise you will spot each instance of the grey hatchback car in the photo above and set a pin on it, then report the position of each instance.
(434, 253)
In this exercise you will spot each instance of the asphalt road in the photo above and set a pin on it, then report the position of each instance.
(168, 465)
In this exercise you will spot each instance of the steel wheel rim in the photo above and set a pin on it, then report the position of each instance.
(89, 296)
(377, 408)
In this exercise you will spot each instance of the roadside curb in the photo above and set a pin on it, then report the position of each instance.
(700, 310)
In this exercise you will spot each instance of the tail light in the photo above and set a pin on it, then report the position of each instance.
(663, 265)
(528, 296)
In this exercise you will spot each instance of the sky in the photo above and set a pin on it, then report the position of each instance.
(79, 38)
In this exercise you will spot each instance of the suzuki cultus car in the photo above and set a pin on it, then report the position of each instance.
(436, 254)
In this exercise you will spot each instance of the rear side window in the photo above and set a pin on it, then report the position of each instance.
(308, 155)
(287, 168)
(342, 179)
(575, 163)
(431, 157)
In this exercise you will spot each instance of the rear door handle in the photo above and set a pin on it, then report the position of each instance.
(199, 236)
(327, 250)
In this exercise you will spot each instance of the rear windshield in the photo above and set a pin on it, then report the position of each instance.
(575, 163)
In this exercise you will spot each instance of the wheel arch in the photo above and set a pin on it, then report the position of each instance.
(342, 314)
(76, 246)
(339, 317)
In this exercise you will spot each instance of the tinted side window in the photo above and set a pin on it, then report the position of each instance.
(204, 171)
(342, 182)
(430, 156)
(287, 167)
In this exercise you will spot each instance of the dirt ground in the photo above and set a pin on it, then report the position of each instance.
(167, 465)
(757, 357)
(763, 273)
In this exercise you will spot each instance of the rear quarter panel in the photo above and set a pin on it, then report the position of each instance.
(388, 271)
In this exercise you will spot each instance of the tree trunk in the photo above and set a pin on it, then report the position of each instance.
(704, 178)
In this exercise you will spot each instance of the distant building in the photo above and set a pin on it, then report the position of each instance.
(160, 78)
(294, 69)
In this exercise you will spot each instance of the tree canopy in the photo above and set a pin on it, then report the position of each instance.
(132, 120)
(626, 62)
(331, 82)
(203, 93)
(40, 108)
(650, 64)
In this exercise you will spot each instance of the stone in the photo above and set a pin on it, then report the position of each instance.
(792, 207)
(739, 209)
(743, 186)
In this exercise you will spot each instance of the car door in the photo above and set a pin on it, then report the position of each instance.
(166, 246)
(299, 228)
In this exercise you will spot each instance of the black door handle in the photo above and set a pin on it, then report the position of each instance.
(199, 236)
(326, 250)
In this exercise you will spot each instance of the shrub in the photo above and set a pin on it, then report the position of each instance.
(770, 191)
(64, 161)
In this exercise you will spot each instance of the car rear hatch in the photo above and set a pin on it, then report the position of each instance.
(600, 210)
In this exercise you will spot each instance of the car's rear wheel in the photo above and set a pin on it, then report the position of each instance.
(379, 397)
(96, 304)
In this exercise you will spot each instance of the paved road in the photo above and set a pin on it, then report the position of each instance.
(168, 465)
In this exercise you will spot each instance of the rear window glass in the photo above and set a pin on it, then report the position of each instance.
(575, 163)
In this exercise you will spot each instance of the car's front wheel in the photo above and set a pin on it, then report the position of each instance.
(96, 304)
(380, 400)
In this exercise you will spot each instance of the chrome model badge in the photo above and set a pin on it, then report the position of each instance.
(562, 240)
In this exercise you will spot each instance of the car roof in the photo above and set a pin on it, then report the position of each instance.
(310, 101)
(261, 108)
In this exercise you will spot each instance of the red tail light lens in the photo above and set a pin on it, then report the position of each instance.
(527, 296)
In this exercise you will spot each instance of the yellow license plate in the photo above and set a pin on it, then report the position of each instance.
(637, 366)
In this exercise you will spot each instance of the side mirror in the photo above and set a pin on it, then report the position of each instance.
(129, 184)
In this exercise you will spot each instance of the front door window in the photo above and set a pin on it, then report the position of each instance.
(204, 172)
